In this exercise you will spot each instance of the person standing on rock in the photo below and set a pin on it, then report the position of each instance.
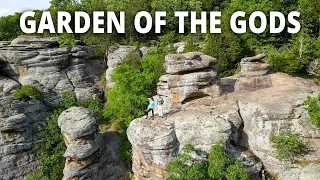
(160, 106)
(150, 107)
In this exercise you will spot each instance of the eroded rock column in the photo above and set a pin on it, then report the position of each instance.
(87, 154)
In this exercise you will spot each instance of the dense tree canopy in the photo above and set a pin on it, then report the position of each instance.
(288, 53)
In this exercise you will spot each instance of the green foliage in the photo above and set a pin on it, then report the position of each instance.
(128, 99)
(66, 40)
(218, 166)
(133, 60)
(289, 147)
(184, 167)
(52, 147)
(69, 99)
(237, 172)
(313, 108)
(9, 27)
(190, 44)
(50, 150)
(26, 92)
(218, 161)
(227, 48)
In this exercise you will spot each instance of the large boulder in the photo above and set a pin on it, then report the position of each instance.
(189, 76)
(188, 62)
(88, 155)
(253, 75)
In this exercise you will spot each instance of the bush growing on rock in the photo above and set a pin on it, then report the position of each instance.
(221, 166)
(289, 147)
(185, 167)
(314, 110)
(50, 150)
(26, 92)
(189, 165)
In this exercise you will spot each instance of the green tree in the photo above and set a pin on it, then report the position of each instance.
(10, 27)
(133, 85)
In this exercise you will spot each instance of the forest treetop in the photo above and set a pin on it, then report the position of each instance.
(80, 22)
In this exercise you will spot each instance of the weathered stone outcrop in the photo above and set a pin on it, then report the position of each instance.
(41, 62)
(116, 55)
(19, 124)
(88, 155)
(279, 110)
(244, 118)
(157, 142)
(189, 76)
(253, 75)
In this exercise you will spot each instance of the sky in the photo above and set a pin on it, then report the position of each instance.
(9, 7)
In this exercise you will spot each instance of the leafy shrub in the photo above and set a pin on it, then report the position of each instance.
(50, 150)
(221, 166)
(69, 99)
(66, 40)
(218, 166)
(285, 60)
(190, 44)
(184, 167)
(26, 92)
(133, 60)
(289, 147)
(218, 161)
(314, 110)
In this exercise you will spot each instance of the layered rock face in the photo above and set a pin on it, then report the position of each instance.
(116, 55)
(88, 154)
(244, 118)
(156, 143)
(19, 124)
(253, 75)
(279, 110)
(40, 61)
(189, 75)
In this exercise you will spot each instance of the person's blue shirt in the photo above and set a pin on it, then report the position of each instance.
(151, 104)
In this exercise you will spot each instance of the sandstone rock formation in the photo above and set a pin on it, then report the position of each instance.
(253, 75)
(279, 110)
(244, 118)
(41, 62)
(116, 54)
(88, 155)
(19, 124)
(189, 75)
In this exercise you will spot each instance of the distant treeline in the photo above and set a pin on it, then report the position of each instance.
(290, 53)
